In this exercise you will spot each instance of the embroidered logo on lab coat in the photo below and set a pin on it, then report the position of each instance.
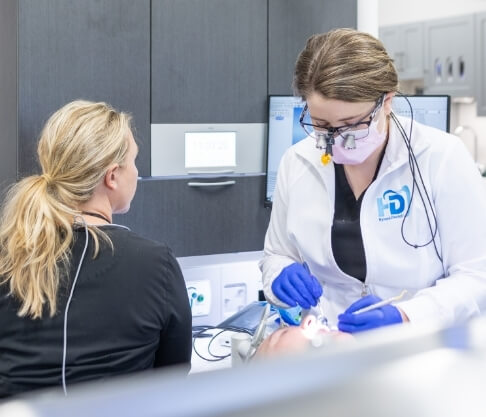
(393, 204)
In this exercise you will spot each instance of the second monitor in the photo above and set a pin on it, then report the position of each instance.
(284, 128)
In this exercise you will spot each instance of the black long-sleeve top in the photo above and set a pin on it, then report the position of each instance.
(129, 312)
(346, 237)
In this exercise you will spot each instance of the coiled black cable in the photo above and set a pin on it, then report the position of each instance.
(426, 201)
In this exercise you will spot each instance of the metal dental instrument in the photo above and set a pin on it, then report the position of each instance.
(321, 318)
(259, 334)
(244, 346)
(380, 303)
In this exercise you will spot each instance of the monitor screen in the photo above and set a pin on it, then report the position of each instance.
(210, 149)
(284, 129)
(429, 110)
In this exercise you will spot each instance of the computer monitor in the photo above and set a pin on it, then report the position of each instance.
(429, 110)
(284, 129)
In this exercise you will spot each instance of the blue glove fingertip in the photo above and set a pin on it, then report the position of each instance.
(344, 328)
(296, 286)
(304, 303)
(365, 301)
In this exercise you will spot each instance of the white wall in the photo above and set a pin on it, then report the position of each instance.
(368, 16)
(391, 12)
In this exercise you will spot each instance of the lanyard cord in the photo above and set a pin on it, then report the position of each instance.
(100, 216)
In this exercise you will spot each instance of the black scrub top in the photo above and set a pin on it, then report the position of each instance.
(346, 239)
(129, 313)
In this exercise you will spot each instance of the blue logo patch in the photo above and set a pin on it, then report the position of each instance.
(393, 204)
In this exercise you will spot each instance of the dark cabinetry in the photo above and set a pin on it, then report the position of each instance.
(290, 23)
(90, 49)
(200, 221)
(209, 61)
(8, 93)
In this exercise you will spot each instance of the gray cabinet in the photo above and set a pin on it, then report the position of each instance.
(209, 61)
(480, 28)
(208, 66)
(290, 23)
(450, 59)
(8, 93)
(90, 49)
(200, 220)
(404, 44)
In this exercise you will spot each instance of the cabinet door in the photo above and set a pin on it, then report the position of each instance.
(480, 27)
(450, 63)
(92, 49)
(8, 94)
(290, 23)
(404, 44)
(209, 61)
(204, 220)
(413, 51)
(391, 36)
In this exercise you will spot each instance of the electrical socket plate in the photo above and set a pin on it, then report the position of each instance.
(234, 298)
(199, 293)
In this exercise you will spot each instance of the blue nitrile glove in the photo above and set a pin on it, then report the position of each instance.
(295, 285)
(382, 316)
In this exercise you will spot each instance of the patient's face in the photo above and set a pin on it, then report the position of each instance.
(288, 339)
(296, 338)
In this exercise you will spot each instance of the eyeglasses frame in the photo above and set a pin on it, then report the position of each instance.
(342, 129)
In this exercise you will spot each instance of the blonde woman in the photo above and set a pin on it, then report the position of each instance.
(371, 204)
(82, 298)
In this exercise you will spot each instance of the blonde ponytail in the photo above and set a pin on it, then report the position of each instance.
(78, 144)
(35, 237)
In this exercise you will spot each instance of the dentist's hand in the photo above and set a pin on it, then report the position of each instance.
(382, 316)
(295, 285)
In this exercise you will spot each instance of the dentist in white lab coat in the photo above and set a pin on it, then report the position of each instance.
(370, 204)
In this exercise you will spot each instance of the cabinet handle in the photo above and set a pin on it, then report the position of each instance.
(221, 171)
(399, 60)
(211, 184)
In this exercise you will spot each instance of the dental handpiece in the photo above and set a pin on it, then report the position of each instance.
(381, 303)
(321, 318)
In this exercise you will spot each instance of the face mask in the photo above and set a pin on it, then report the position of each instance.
(363, 147)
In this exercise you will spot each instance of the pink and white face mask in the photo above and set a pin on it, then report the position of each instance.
(354, 147)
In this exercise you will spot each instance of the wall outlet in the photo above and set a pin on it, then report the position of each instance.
(199, 293)
(234, 298)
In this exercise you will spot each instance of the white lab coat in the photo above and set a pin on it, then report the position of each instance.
(303, 210)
